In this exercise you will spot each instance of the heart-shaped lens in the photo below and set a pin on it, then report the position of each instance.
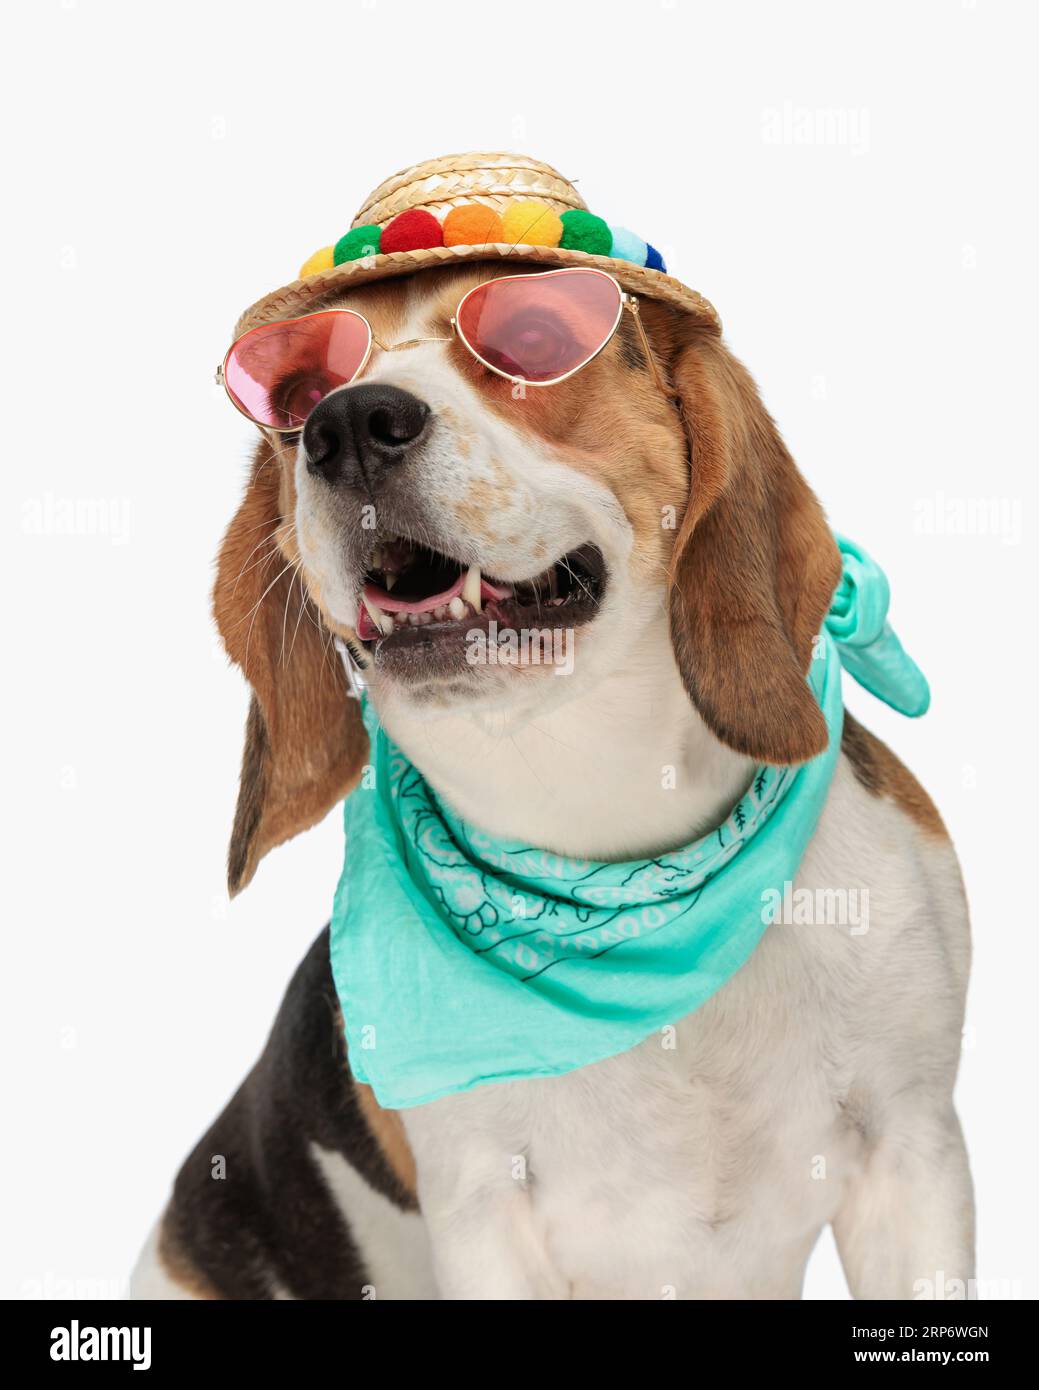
(277, 373)
(540, 328)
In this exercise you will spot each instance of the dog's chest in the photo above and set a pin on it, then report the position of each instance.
(701, 1163)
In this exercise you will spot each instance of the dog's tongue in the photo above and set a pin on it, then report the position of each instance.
(383, 600)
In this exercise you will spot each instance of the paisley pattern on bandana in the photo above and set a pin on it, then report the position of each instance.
(528, 911)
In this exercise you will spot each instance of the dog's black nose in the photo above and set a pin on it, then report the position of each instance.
(354, 436)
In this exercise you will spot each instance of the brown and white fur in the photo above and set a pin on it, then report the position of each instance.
(814, 1088)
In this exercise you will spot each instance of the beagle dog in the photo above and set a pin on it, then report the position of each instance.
(816, 1086)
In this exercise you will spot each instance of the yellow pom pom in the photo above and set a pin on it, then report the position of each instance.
(320, 260)
(472, 225)
(533, 224)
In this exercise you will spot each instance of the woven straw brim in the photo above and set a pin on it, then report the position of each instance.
(301, 295)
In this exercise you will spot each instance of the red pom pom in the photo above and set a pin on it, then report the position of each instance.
(413, 230)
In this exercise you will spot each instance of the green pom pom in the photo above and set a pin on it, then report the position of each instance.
(362, 241)
(583, 231)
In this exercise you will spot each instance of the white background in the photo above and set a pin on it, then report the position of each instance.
(850, 184)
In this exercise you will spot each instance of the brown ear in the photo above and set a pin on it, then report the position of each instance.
(753, 570)
(305, 744)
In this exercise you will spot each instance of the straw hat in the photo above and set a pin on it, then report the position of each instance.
(476, 207)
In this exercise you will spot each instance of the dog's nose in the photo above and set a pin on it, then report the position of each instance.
(355, 435)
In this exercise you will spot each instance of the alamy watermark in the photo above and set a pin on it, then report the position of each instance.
(943, 1288)
(81, 1342)
(526, 646)
(48, 515)
(996, 518)
(822, 127)
(817, 907)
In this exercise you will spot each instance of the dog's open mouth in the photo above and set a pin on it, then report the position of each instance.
(416, 596)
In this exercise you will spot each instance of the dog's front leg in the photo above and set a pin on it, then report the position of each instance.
(473, 1162)
(485, 1246)
(905, 1228)
(475, 1197)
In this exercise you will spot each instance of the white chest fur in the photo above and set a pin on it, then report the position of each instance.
(704, 1163)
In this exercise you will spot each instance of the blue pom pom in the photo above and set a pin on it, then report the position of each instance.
(627, 246)
(654, 260)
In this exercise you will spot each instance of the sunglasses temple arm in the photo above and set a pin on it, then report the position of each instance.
(633, 305)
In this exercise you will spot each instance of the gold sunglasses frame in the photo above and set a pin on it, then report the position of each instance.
(624, 301)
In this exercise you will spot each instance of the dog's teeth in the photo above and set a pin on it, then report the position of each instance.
(456, 608)
(377, 558)
(471, 588)
(382, 620)
(421, 619)
(390, 579)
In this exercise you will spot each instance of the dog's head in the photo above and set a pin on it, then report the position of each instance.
(619, 516)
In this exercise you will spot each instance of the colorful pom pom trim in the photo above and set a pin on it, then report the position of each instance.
(526, 223)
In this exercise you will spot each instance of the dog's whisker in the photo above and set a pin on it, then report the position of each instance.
(262, 564)
(304, 604)
(579, 581)
(248, 530)
(297, 566)
(252, 611)
(256, 608)
(524, 759)
(571, 748)
(266, 540)
(328, 647)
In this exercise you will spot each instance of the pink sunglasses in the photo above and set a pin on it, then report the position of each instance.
(535, 330)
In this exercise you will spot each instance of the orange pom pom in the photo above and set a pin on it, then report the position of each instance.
(472, 225)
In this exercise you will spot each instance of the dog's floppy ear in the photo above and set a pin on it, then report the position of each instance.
(305, 744)
(754, 566)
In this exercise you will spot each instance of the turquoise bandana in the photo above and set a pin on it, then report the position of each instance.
(461, 959)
